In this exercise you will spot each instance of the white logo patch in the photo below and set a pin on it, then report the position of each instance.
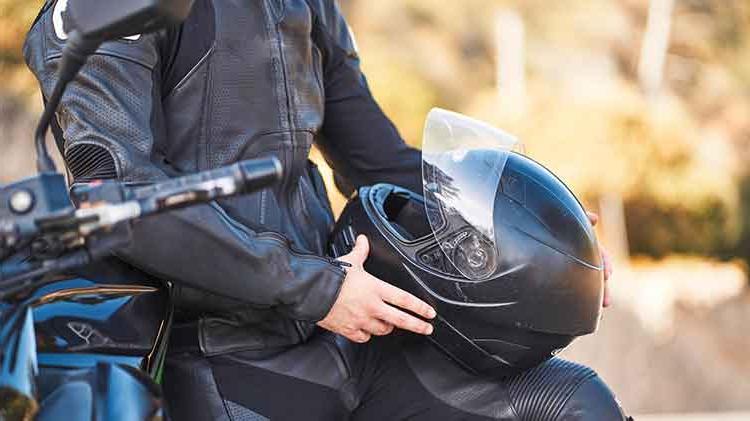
(57, 21)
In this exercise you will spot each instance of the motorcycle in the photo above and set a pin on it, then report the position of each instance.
(83, 335)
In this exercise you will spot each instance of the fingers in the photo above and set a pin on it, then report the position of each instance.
(359, 253)
(607, 261)
(593, 218)
(359, 336)
(378, 328)
(367, 306)
(607, 299)
(406, 301)
(403, 320)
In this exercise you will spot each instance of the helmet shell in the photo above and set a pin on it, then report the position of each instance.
(545, 289)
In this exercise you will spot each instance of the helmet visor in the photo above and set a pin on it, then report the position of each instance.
(462, 164)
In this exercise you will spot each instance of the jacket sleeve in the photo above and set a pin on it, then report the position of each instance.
(111, 120)
(358, 140)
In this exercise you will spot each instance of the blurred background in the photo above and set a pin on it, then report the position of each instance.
(641, 106)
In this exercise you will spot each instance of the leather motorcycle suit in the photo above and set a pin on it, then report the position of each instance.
(252, 78)
(238, 79)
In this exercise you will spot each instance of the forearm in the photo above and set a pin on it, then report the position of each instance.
(202, 247)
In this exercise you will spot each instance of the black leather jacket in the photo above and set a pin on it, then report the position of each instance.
(239, 79)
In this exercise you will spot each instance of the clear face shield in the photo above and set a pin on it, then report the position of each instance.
(467, 173)
(462, 164)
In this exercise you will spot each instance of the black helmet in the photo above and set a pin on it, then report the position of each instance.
(498, 245)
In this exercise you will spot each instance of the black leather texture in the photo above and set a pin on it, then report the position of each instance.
(237, 80)
(562, 390)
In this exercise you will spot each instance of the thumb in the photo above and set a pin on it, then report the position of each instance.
(359, 253)
(593, 218)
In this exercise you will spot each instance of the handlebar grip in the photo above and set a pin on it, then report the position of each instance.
(259, 173)
(243, 177)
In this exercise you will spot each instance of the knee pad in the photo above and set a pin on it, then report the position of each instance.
(560, 390)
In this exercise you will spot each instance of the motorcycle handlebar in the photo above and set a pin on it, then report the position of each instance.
(138, 202)
(244, 177)
(103, 205)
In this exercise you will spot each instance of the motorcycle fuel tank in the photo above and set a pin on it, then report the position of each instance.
(107, 312)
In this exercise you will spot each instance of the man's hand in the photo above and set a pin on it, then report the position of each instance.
(367, 306)
(594, 218)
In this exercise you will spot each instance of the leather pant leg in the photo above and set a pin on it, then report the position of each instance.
(190, 390)
(391, 378)
(310, 381)
(417, 382)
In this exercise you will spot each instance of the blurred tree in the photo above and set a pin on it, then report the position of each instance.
(587, 119)
(15, 19)
(655, 45)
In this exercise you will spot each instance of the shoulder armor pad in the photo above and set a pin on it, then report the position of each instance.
(47, 37)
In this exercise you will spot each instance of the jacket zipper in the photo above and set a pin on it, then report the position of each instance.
(263, 200)
(273, 235)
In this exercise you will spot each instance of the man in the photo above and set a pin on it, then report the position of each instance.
(243, 79)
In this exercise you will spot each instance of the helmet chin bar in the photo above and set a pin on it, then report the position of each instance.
(473, 358)
(491, 357)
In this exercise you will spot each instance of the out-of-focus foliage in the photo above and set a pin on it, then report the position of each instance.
(677, 160)
(15, 19)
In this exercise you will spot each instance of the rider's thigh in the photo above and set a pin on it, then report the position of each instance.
(415, 381)
(412, 380)
(309, 381)
(560, 390)
(190, 390)
(592, 400)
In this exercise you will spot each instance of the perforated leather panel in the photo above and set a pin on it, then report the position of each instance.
(88, 162)
(240, 413)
